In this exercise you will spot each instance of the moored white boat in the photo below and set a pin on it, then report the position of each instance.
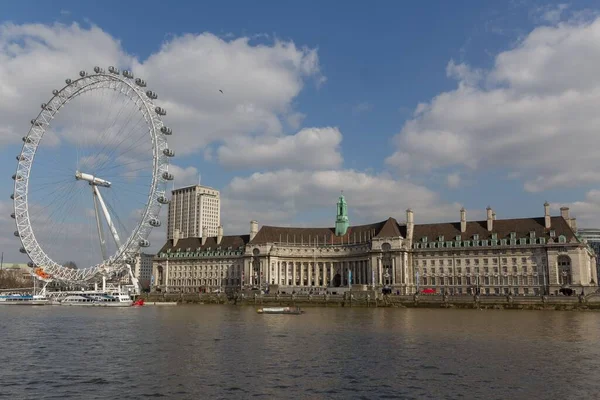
(23, 299)
(96, 299)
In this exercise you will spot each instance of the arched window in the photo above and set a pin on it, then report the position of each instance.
(564, 270)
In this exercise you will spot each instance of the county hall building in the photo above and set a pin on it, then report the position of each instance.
(524, 256)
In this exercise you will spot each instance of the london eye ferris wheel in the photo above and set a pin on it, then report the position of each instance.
(91, 177)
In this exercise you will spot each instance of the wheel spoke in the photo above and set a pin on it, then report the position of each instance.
(89, 166)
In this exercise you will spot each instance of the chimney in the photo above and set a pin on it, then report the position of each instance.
(410, 224)
(253, 229)
(175, 237)
(490, 219)
(573, 224)
(204, 235)
(219, 234)
(564, 212)
(493, 216)
(463, 220)
(547, 224)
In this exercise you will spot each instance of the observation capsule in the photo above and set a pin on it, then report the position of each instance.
(160, 111)
(36, 122)
(55, 92)
(127, 73)
(22, 250)
(27, 139)
(98, 70)
(167, 176)
(82, 73)
(168, 152)
(68, 81)
(144, 243)
(16, 233)
(113, 70)
(20, 157)
(154, 222)
(12, 196)
(162, 200)
(140, 82)
(151, 95)
(12, 215)
(166, 130)
(30, 264)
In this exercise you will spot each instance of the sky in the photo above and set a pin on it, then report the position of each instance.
(430, 105)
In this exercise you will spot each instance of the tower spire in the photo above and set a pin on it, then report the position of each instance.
(341, 221)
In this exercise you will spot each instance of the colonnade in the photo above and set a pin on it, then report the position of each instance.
(370, 271)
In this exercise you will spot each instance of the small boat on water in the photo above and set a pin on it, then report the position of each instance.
(280, 310)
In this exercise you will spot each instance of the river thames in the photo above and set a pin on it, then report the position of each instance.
(227, 352)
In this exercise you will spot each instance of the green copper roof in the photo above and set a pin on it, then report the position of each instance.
(342, 223)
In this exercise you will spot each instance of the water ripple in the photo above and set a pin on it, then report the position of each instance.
(233, 353)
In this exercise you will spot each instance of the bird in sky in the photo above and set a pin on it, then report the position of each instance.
(221, 91)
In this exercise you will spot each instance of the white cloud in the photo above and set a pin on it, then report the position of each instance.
(535, 112)
(184, 176)
(277, 197)
(453, 180)
(550, 13)
(259, 82)
(313, 148)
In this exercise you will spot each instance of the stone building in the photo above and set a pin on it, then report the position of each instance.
(523, 256)
(194, 211)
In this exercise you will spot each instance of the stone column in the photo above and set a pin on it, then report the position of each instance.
(394, 270)
(293, 273)
(301, 274)
(331, 270)
(324, 274)
(166, 275)
(316, 266)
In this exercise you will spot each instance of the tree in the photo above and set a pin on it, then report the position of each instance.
(10, 279)
(70, 264)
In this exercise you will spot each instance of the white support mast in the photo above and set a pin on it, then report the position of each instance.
(111, 226)
(99, 225)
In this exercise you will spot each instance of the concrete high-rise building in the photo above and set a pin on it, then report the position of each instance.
(192, 210)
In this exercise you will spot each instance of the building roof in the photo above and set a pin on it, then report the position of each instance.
(193, 243)
(355, 234)
(391, 228)
(501, 227)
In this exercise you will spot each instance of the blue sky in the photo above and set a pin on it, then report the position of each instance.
(359, 69)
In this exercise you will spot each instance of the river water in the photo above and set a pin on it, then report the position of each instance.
(227, 352)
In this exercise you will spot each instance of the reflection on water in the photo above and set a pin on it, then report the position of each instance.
(232, 352)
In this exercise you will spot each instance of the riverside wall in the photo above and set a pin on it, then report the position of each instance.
(372, 299)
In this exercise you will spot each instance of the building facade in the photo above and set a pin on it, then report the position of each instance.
(592, 238)
(194, 211)
(527, 256)
(141, 269)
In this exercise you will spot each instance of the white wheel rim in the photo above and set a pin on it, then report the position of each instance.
(117, 262)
